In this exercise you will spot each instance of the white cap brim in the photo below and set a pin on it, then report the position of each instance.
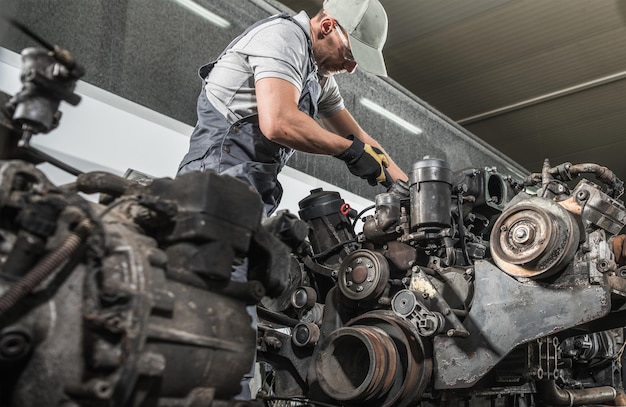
(369, 59)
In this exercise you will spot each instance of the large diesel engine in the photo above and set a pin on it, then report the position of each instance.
(128, 301)
(464, 288)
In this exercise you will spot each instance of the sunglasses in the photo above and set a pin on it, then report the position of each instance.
(347, 54)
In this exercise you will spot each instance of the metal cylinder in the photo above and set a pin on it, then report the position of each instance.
(377, 359)
(431, 194)
(387, 210)
(326, 213)
(305, 334)
(303, 297)
(35, 109)
(356, 363)
(551, 394)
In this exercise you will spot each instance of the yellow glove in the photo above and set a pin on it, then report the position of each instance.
(366, 161)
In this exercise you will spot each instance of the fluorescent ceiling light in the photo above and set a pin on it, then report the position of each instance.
(375, 107)
(204, 13)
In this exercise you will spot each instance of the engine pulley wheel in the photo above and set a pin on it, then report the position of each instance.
(535, 238)
(360, 362)
(414, 353)
(363, 275)
(377, 359)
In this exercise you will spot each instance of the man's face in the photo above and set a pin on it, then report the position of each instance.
(333, 55)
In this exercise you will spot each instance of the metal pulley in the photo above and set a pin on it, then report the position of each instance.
(363, 275)
(427, 322)
(375, 360)
(534, 238)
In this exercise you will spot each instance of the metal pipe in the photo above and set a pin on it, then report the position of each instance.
(550, 393)
(543, 98)
(568, 171)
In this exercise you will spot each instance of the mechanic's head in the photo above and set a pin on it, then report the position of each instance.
(348, 33)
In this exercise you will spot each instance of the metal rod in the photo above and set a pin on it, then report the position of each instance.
(31, 33)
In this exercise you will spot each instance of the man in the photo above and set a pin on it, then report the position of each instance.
(262, 95)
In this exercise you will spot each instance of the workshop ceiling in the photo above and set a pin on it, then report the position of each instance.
(535, 79)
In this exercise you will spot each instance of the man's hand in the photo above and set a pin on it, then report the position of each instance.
(366, 161)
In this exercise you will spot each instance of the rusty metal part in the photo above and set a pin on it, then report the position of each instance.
(551, 394)
(305, 334)
(620, 399)
(303, 297)
(363, 275)
(373, 341)
(356, 363)
(384, 225)
(291, 362)
(568, 171)
(415, 356)
(600, 209)
(400, 255)
(619, 249)
(534, 238)
(595, 207)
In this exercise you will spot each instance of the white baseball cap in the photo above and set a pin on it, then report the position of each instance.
(366, 24)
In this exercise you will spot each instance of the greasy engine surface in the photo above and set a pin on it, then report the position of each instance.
(464, 288)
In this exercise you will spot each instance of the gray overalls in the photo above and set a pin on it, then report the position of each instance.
(240, 149)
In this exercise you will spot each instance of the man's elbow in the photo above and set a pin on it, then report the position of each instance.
(275, 130)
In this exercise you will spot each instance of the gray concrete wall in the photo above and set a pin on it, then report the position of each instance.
(149, 51)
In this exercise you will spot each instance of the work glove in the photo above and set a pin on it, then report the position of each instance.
(366, 162)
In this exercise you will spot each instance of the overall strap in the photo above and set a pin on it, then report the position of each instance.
(203, 72)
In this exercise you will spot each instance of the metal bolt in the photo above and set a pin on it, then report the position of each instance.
(359, 288)
(522, 234)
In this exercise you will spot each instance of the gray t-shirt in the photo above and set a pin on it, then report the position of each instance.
(277, 49)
